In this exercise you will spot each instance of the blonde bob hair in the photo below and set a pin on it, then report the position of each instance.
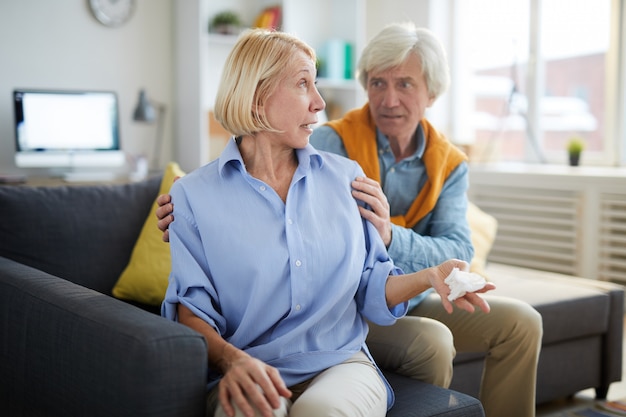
(391, 47)
(251, 74)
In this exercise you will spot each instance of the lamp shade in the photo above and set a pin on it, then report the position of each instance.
(145, 111)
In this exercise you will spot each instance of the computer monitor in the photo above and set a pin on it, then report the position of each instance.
(67, 130)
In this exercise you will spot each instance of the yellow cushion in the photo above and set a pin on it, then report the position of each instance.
(146, 276)
(483, 227)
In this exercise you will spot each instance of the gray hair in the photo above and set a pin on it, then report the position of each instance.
(392, 45)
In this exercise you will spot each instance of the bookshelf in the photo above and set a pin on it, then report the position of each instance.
(200, 56)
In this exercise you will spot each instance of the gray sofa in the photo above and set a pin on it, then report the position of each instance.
(68, 348)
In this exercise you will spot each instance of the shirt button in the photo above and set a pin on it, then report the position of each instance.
(289, 221)
(392, 170)
(298, 307)
(262, 188)
(298, 263)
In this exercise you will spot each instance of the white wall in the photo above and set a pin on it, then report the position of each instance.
(381, 13)
(59, 44)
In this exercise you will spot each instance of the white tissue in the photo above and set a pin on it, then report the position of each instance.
(462, 282)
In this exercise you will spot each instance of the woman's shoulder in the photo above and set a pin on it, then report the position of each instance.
(341, 164)
(198, 178)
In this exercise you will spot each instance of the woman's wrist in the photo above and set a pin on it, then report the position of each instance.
(227, 356)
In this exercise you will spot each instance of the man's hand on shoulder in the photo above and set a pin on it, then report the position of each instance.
(371, 193)
(164, 214)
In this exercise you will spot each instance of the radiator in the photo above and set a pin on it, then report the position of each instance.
(556, 218)
(536, 228)
(612, 238)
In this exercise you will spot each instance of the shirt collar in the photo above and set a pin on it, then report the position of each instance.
(308, 158)
(383, 143)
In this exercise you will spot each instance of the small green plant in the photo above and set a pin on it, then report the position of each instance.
(575, 145)
(226, 22)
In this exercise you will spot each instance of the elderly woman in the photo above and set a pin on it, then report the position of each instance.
(271, 260)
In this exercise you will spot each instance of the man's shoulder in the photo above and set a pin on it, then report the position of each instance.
(325, 138)
(323, 133)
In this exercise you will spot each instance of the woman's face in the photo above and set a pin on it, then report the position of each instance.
(292, 107)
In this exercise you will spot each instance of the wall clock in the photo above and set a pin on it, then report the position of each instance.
(112, 12)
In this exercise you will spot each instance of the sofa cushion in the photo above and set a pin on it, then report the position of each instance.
(84, 234)
(483, 228)
(569, 307)
(418, 399)
(145, 278)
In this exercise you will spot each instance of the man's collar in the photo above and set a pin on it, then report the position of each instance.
(383, 142)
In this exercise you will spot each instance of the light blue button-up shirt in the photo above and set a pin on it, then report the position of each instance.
(289, 283)
(442, 234)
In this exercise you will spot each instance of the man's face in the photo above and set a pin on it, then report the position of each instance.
(399, 98)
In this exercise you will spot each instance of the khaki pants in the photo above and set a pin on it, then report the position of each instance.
(352, 388)
(422, 348)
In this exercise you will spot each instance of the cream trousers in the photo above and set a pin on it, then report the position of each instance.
(352, 388)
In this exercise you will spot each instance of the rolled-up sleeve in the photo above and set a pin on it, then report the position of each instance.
(372, 294)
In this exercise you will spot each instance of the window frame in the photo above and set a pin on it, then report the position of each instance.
(614, 143)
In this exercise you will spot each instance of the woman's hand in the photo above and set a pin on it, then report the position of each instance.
(401, 288)
(470, 300)
(247, 381)
(251, 384)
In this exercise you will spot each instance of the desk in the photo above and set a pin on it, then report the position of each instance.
(36, 181)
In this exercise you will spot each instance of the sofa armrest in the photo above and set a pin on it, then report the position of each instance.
(612, 355)
(615, 337)
(68, 350)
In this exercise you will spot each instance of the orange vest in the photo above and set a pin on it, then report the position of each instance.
(358, 132)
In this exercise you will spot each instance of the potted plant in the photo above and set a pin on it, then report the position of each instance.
(226, 23)
(575, 146)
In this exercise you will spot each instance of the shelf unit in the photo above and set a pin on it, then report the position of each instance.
(200, 58)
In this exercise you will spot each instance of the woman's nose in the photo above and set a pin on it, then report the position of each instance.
(318, 102)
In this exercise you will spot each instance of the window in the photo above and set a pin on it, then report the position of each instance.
(538, 77)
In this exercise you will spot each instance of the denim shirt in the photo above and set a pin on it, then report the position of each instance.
(443, 233)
